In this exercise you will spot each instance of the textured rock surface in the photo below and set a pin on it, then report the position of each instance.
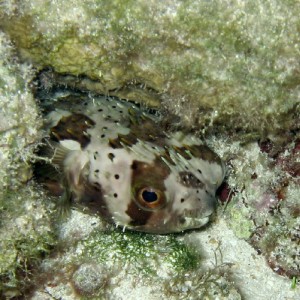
(26, 236)
(131, 265)
(19, 121)
(218, 65)
(228, 268)
(25, 227)
(212, 62)
(263, 207)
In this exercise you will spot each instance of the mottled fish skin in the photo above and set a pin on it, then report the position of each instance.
(117, 160)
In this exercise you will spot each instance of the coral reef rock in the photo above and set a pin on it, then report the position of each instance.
(235, 65)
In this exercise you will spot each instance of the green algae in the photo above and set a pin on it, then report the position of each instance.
(89, 267)
(144, 252)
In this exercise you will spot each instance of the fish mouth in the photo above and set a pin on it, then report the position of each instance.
(194, 219)
(190, 223)
(198, 213)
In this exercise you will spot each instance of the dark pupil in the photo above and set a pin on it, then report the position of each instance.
(149, 196)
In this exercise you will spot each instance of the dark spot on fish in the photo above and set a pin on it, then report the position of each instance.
(104, 128)
(182, 200)
(114, 106)
(120, 111)
(97, 171)
(114, 143)
(85, 103)
(100, 109)
(134, 165)
(115, 195)
(181, 220)
(111, 156)
(190, 180)
(102, 136)
(73, 127)
(117, 176)
(199, 171)
(95, 155)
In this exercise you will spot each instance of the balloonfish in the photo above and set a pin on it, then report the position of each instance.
(126, 164)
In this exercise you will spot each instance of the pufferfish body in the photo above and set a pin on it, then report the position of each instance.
(118, 161)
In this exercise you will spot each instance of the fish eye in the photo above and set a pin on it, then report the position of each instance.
(150, 198)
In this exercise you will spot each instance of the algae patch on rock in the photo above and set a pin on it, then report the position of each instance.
(110, 264)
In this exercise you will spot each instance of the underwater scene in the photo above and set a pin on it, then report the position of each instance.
(149, 150)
